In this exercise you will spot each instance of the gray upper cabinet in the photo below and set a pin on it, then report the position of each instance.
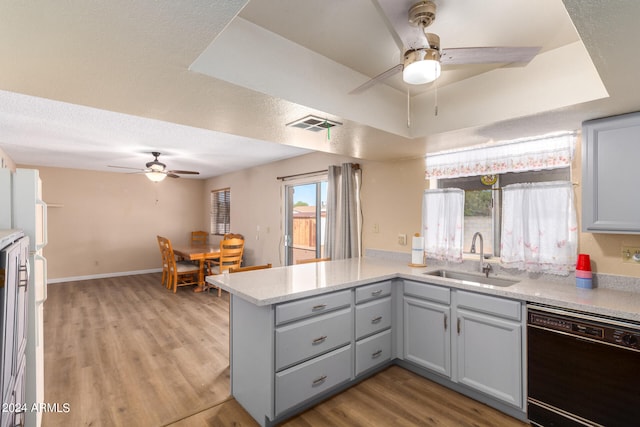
(610, 159)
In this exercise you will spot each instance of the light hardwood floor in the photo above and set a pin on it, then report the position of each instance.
(127, 352)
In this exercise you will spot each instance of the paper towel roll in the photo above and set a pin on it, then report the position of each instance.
(417, 250)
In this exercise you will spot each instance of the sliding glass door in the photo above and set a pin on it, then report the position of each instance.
(305, 219)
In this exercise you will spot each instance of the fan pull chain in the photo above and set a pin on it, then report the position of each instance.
(435, 109)
(408, 109)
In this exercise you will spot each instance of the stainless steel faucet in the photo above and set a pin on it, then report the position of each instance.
(485, 269)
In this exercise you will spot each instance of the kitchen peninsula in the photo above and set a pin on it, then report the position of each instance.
(304, 332)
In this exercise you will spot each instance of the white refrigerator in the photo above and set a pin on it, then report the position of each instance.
(29, 213)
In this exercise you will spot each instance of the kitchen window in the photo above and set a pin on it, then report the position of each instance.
(220, 213)
(483, 203)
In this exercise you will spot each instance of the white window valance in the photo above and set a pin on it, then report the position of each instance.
(549, 152)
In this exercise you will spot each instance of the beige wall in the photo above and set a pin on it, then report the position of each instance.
(256, 201)
(391, 198)
(103, 223)
(107, 222)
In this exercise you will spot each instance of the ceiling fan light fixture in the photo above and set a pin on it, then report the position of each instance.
(421, 66)
(156, 176)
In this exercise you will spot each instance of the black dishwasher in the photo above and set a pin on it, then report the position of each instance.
(583, 370)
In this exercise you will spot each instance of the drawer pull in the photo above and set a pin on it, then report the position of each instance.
(445, 322)
(376, 293)
(459, 328)
(319, 380)
(376, 354)
(376, 319)
(319, 307)
(319, 340)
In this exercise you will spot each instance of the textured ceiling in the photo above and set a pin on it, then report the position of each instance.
(212, 85)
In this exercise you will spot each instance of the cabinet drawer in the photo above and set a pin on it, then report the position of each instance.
(423, 290)
(507, 308)
(376, 290)
(307, 338)
(373, 351)
(294, 310)
(302, 382)
(373, 317)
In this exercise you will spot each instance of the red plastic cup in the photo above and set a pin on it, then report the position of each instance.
(584, 262)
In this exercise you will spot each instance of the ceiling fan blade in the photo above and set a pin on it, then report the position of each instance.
(394, 16)
(172, 175)
(184, 172)
(125, 167)
(386, 74)
(488, 55)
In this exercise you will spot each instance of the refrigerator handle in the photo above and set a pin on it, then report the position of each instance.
(45, 234)
(23, 274)
(39, 258)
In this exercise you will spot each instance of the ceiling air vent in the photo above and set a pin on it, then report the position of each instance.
(314, 123)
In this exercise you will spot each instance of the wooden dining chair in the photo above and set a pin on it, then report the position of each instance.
(231, 251)
(249, 268)
(199, 237)
(180, 273)
(165, 263)
(310, 260)
(233, 236)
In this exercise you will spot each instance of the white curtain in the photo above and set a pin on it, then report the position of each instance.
(547, 152)
(443, 223)
(343, 233)
(539, 227)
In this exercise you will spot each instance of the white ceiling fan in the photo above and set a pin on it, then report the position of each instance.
(423, 58)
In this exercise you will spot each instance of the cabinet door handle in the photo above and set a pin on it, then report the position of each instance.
(376, 319)
(376, 354)
(458, 326)
(319, 380)
(376, 293)
(319, 307)
(319, 340)
(445, 322)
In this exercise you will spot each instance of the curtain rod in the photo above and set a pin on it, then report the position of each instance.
(356, 166)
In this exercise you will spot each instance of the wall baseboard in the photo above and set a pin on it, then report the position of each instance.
(103, 276)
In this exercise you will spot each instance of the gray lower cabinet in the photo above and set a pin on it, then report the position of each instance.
(427, 339)
(469, 338)
(426, 315)
(303, 381)
(287, 356)
(489, 346)
(373, 326)
(373, 351)
(308, 338)
(313, 347)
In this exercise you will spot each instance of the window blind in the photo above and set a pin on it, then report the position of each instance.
(220, 211)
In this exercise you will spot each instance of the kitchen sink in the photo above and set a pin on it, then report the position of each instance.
(472, 278)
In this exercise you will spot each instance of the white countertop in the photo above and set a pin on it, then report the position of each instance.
(281, 284)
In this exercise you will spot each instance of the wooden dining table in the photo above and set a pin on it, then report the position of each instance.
(198, 252)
